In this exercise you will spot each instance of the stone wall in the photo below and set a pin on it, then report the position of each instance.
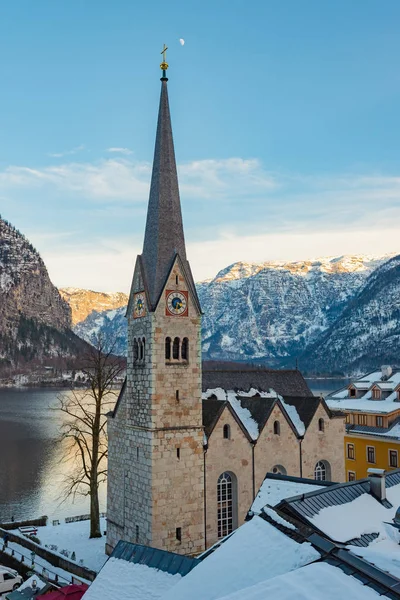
(324, 445)
(235, 456)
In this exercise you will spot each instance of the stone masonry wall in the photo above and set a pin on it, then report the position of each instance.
(272, 449)
(233, 455)
(326, 445)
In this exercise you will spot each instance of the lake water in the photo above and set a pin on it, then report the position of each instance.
(32, 471)
(31, 468)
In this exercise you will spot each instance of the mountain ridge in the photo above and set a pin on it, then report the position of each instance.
(268, 312)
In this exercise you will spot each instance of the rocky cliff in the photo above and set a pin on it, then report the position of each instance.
(84, 302)
(34, 320)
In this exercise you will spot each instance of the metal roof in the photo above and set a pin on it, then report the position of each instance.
(169, 562)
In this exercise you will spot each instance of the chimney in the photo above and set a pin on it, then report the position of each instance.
(377, 482)
(386, 372)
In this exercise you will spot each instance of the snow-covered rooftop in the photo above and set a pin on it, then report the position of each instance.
(272, 491)
(255, 552)
(341, 399)
(123, 580)
(364, 515)
(318, 581)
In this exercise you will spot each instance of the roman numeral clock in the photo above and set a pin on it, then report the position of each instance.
(176, 303)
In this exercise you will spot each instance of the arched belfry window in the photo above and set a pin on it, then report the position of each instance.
(143, 349)
(168, 348)
(185, 349)
(175, 349)
(227, 432)
(321, 425)
(135, 350)
(227, 503)
(277, 428)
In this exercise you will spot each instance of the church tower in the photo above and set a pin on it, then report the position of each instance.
(155, 463)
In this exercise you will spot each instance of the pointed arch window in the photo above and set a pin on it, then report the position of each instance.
(168, 348)
(185, 349)
(175, 349)
(135, 350)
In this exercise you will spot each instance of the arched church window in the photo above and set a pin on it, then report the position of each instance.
(322, 471)
(185, 349)
(227, 503)
(227, 432)
(143, 348)
(175, 348)
(135, 350)
(277, 428)
(321, 425)
(168, 348)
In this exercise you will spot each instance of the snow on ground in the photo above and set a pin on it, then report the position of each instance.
(314, 582)
(74, 537)
(254, 552)
(41, 563)
(273, 491)
(127, 581)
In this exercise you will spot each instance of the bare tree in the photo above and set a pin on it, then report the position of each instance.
(84, 428)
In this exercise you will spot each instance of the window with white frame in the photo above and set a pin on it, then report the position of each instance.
(227, 503)
(350, 451)
(322, 471)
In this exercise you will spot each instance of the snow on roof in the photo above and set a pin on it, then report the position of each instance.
(272, 491)
(294, 417)
(253, 553)
(364, 405)
(128, 581)
(40, 584)
(318, 581)
(363, 515)
(244, 414)
(366, 382)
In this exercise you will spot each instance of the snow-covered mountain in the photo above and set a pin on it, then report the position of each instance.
(271, 311)
(367, 333)
(34, 319)
(109, 325)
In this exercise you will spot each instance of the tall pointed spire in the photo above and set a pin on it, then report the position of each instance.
(164, 237)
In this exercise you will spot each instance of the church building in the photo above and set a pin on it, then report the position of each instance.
(189, 448)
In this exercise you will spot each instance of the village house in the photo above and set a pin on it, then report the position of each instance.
(371, 404)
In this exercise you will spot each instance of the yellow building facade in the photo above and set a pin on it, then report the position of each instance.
(372, 408)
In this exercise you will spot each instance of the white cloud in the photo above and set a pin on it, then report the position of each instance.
(67, 152)
(125, 151)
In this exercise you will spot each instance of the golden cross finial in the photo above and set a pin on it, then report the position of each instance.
(163, 52)
(164, 64)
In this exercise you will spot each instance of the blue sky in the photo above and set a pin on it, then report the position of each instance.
(285, 118)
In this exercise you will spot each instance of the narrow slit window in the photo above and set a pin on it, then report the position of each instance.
(185, 349)
(178, 453)
(179, 534)
(177, 395)
(137, 534)
(175, 349)
(168, 348)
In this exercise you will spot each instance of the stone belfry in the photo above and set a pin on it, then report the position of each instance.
(155, 462)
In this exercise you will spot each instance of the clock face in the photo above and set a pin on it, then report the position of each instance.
(139, 305)
(177, 303)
